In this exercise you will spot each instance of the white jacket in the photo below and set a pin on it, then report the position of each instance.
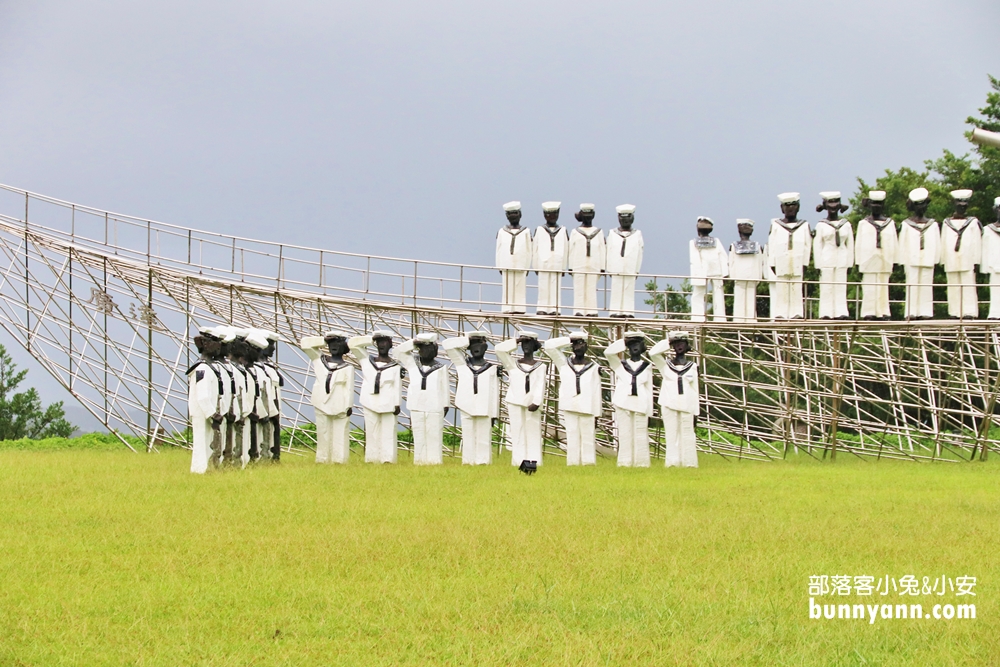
(388, 377)
(624, 253)
(477, 392)
(579, 388)
(527, 383)
(633, 381)
(827, 252)
(788, 261)
(970, 248)
(679, 390)
(910, 252)
(710, 262)
(748, 266)
(428, 388)
(990, 262)
(204, 391)
(584, 257)
(875, 252)
(550, 251)
(514, 248)
(333, 390)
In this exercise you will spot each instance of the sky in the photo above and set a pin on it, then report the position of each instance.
(395, 128)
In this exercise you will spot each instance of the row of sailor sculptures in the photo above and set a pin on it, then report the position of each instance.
(477, 395)
(585, 252)
(960, 243)
(234, 398)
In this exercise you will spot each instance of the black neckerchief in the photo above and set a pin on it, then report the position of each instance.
(959, 230)
(680, 371)
(553, 233)
(579, 373)
(635, 373)
(426, 370)
(200, 375)
(587, 236)
(747, 247)
(836, 228)
(270, 364)
(379, 367)
(878, 229)
(920, 227)
(231, 371)
(330, 369)
(527, 373)
(704, 242)
(477, 372)
(624, 236)
(995, 226)
(513, 231)
(791, 228)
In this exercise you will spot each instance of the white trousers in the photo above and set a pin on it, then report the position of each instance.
(515, 291)
(919, 291)
(874, 294)
(380, 437)
(333, 443)
(622, 299)
(585, 293)
(962, 298)
(265, 441)
(581, 440)
(201, 446)
(428, 437)
(698, 294)
(786, 297)
(633, 438)
(994, 296)
(833, 292)
(525, 434)
(678, 429)
(548, 291)
(744, 301)
(477, 437)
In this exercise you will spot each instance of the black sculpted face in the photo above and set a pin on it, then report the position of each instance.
(917, 208)
(529, 346)
(680, 347)
(635, 346)
(625, 221)
(383, 345)
(961, 206)
(579, 347)
(477, 348)
(585, 218)
(551, 217)
(514, 218)
(745, 230)
(427, 353)
(337, 347)
(269, 350)
(790, 211)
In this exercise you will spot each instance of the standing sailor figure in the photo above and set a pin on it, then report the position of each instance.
(833, 255)
(991, 260)
(477, 395)
(272, 426)
(246, 390)
(919, 252)
(875, 253)
(550, 249)
(678, 399)
(513, 258)
(260, 416)
(427, 396)
(233, 397)
(586, 261)
(332, 395)
(205, 401)
(746, 268)
(525, 394)
(961, 252)
(579, 396)
(788, 245)
(632, 398)
(381, 394)
(709, 264)
(624, 262)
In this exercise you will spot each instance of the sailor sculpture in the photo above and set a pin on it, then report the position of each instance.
(427, 396)
(632, 398)
(919, 252)
(205, 401)
(550, 249)
(579, 396)
(709, 265)
(833, 255)
(961, 252)
(991, 260)
(788, 245)
(747, 267)
(525, 394)
(679, 403)
(332, 395)
(513, 258)
(260, 415)
(243, 401)
(477, 395)
(586, 260)
(624, 262)
(380, 396)
(875, 252)
(233, 396)
(272, 426)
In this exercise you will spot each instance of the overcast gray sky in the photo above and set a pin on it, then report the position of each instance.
(393, 127)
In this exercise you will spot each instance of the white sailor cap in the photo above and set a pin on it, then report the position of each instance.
(744, 221)
(705, 222)
(876, 195)
(788, 197)
(578, 335)
(336, 333)
(678, 335)
(524, 335)
(270, 335)
(625, 208)
(961, 195)
(830, 194)
(426, 338)
(241, 333)
(257, 339)
(550, 206)
(224, 333)
(207, 331)
(996, 202)
(381, 333)
(919, 195)
(478, 335)
(586, 207)
(512, 206)
(629, 335)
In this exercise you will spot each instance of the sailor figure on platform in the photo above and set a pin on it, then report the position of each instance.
(246, 390)
(332, 395)
(550, 250)
(513, 258)
(427, 396)
(586, 261)
(381, 394)
(624, 262)
(747, 267)
(477, 395)
(991, 260)
(232, 397)
(788, 246)
(632, 398)
(919, 252)
(709, 264)
(272, 427)
(525, 394)
(579, 396)
(833, 255)
(260, 415)
(961, 252)
(205, 401)
(679, 403)
(875, 252)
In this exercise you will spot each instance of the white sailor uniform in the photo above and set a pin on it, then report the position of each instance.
(632, 398)
(624, 261)
(679, 403)
(526, 387)
(919, 251)
(990, 263)
(788, 248)
(381, 394)
(477, 397)
(579, 402)
(513, 258)
(709, 264)
(586, 259)
(875, 252)
(332, 396)
(833, 255)
(204, 400)
(746, 269)
(427, 396)
(550, 250)
(961, 252)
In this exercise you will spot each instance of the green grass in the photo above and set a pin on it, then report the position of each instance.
(113, 558)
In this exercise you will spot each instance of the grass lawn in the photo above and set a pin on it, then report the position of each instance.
(114, 558)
